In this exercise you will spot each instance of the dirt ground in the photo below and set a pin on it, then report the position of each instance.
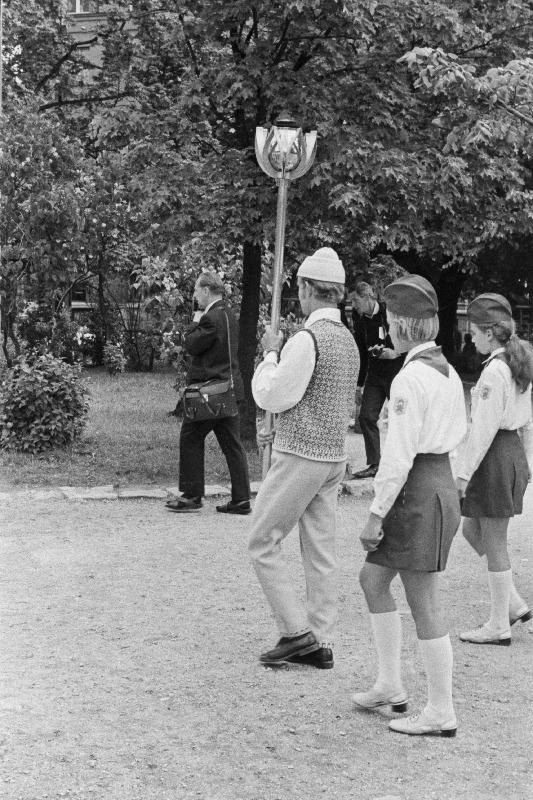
(129, 669)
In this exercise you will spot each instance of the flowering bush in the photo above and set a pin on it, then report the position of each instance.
(43, 404)
(85, 339)
(114, 358)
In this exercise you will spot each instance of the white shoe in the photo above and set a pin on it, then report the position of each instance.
(486, 635)
(375, 698)
(420, 725)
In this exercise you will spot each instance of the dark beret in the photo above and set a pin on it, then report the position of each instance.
(489, 308)
(411, 296)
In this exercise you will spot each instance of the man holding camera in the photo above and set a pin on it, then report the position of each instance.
(379, 365)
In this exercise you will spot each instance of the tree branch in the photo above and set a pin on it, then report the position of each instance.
(493, 38)
(307, 55)
(515, 112)
(57, 66)
(254, 29)
(282, 44)
(81, 100)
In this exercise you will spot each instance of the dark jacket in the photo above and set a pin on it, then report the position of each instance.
(366, 334)
(206, 342)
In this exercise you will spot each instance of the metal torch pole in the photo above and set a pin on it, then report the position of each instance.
(1, 112)
(277, 282)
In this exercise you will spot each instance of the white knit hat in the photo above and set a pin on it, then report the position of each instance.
(324, 265)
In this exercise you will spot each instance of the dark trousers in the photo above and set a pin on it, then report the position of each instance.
(192, 450)
(376, 391)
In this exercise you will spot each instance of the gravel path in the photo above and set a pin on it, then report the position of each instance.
(129, 669)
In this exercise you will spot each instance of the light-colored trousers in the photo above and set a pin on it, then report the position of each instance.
(299, 491)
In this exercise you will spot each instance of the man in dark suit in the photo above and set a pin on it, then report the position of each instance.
(206, 342)
(379, 365)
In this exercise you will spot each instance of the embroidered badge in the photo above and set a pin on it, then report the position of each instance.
(485, 392)
(400, 404)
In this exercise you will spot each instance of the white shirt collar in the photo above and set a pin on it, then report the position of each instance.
(374, 310)
(323, 313)
(418, 349)
(206, 309)
(493, 355)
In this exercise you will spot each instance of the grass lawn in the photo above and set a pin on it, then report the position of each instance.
(129, 439)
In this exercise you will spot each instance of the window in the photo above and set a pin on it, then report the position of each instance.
(82, 6)
(79, 294)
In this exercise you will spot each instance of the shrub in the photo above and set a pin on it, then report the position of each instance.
(114, 358)
(43, 331)
(43, 404)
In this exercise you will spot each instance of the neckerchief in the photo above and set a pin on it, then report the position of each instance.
(433, 357)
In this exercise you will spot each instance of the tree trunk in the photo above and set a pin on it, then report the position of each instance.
(101, 331)
(448, 289)
(249, 316)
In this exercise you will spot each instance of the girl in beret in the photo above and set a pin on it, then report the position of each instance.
(494, 472)
(415, 513)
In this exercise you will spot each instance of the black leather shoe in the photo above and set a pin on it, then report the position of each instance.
(369, 472)
(321, 659)
(184, 505)
(235, 508)
(287, 648)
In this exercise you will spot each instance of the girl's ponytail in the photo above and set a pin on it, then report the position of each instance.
(519, 353)
(520, 359)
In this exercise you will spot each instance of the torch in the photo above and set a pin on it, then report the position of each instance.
(285, 153)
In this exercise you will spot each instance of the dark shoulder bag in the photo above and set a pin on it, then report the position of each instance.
(214, 399)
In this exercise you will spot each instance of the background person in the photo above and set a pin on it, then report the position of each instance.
(494, 473)
(379, 365)
(469, 360)
(206, 342)
(311, 388)
(415, 513)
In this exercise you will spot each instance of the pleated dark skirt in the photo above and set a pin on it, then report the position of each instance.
(496, 489)
(419, 528)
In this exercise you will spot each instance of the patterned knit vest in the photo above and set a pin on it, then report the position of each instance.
(315, 428)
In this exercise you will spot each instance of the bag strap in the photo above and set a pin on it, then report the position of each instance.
(229, 351)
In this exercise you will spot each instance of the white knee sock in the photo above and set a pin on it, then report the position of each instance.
(500, 592)
(437, 656)
(516, 602)
(387, 630)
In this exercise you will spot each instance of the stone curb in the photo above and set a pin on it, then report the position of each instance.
(361, 488)
(358, 488)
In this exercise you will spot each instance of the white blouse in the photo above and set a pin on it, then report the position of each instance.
(497, 403)
(427, 414)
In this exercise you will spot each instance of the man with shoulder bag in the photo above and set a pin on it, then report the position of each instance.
(210, 401)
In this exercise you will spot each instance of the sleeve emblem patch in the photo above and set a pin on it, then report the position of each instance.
(400, 404)
(485, 392)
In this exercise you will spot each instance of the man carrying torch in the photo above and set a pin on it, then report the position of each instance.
(310, 385)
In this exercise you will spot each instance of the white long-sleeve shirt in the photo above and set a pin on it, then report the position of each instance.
(276, 387)
(427, 414)
(497, 403)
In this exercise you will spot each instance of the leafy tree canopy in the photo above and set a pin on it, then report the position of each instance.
(421, 108)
